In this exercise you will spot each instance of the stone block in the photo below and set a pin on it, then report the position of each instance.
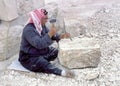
(79, 53)
(24, 6)
(38, 3)
(3, 49)
(8, 10)
(13, 40)
(15, 31)
(3, 30)
(52, 9)
(13, 45)
(74, 27)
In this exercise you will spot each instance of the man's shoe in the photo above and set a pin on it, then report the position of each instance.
(68, 73)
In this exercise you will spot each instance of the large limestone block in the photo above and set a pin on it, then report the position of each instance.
(3, 50)
(13, 40)
(74, 27)
(13, 47)
(25, 6)
(8, 10)
(38, 3)
(52, 9)
(3, 30)
(15, 31)
(79, 53)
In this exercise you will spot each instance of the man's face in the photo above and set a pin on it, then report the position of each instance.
(44, 20)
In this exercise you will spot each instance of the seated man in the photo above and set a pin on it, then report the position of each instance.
(35, 51)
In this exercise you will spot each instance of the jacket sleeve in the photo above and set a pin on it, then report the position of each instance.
(36, 41)
(56, 37)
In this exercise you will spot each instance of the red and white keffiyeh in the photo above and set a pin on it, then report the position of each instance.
(35, 18)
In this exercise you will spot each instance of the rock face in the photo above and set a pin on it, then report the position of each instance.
(8, 10)
(13, 17)
(79, 53)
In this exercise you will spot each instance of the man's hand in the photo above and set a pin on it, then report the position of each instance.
(65, 35)
(52, 31)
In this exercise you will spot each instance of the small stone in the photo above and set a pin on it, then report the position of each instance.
(92, 76)
(107, 10)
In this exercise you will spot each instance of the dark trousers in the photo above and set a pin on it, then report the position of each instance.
(41, 63)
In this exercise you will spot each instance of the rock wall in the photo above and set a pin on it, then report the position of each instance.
(13, 16)
(75, 13)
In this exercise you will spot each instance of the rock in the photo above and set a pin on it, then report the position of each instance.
(8, 10)
(105, 23)
(3, 50)
(79, 53)
(4, 26)
(13, 40)
(74, 27)
(20, 21)
(38, 3)
(9, 40)
(15, 31)
(25, 6)
(3, 30)
(52, 9)
(91, 76)
(13, 47)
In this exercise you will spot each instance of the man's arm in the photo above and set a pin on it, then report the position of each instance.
(35, 40)
(56, 37)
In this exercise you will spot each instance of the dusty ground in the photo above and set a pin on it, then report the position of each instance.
(105, 26)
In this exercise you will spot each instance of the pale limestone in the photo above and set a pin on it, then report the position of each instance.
(91, 76)
(8, 10)
(79, 53)
(12, 25)
(3, 31)
(24, 6)
(9, 40)
(13, 40)
(52, 9)
(3, 48)
(38, 3)
(13, 45)
(15, 31)
(74, 27)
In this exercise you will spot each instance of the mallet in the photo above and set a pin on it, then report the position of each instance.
(52, 21)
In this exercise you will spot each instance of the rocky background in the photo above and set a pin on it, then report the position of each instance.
(13, 15)
(97, 19)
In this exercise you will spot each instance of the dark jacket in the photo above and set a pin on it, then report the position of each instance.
(33, 44)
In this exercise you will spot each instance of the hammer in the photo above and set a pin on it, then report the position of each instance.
(65, 29)
(52, 21)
